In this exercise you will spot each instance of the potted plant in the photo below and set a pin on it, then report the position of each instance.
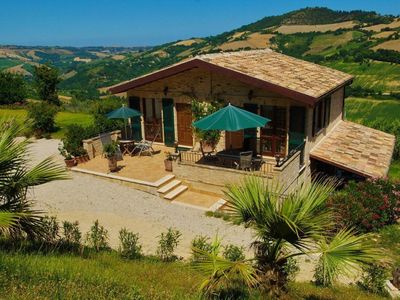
(81, 155)
(168, 161)
(68, 158)
(110, 151)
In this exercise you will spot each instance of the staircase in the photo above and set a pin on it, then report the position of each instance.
(172, 189)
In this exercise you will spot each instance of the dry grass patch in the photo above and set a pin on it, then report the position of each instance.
(255, 40)
(19, 70)
(189, 42)
(289, 29)
(118, 57)
(389, 45)
(383, 34)
(322, 42)
(379, 27)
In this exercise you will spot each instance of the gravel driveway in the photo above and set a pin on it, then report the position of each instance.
(86, 198)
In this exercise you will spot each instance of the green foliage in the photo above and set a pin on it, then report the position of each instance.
(374, 280)
(129, 244)
(111, 149)
(233, 253)
(368, 205)
(46, 80)
(74, 135)
(50, 230)
(291, 268)
(201, 242)
(12, 88)
(18, 177)
(201, 109)
(71, 233)
(101, 108)
(167, 244)
(97, 237)
(42, 118)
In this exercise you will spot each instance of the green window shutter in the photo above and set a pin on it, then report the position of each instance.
(168, 116)
(134, 102)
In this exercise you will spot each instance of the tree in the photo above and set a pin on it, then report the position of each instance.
(12, 88)
(46, 80)
(17, 177)
(296, 224)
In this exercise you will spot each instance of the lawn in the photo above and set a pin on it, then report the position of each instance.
(63, 119)
(106, 276)
(379, 76)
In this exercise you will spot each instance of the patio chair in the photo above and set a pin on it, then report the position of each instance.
(146, 146)
(245, 160)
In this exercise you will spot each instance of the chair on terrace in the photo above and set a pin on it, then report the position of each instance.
(245, 160)
(146, 146)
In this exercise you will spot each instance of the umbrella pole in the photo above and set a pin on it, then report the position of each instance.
(126, 137)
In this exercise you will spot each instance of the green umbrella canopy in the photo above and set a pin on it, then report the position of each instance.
(231, 118)
(123, 113)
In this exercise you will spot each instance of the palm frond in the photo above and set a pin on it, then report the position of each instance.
(344, 253)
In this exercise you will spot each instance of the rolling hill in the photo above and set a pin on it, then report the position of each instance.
(362, 43)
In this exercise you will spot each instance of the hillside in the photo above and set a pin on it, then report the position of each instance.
(362, 43)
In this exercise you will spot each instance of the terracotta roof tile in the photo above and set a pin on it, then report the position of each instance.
(357, 148)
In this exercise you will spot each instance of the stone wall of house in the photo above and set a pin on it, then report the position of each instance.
(94, 146)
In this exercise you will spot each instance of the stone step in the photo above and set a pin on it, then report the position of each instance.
(169, 186)
(176, 192)
(163, 180)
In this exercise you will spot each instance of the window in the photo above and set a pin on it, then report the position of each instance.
(321, 115)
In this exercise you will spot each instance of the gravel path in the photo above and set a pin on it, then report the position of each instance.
(86, 198)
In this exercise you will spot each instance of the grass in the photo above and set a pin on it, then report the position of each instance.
(326, 44)
(379, 76)
(106, 276)
(394, 171)
(63, 119)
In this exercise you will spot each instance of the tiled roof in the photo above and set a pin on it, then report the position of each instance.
(356, 148)
(286, 71)
(265, 68)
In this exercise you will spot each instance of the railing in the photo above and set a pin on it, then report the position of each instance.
(299, 148)
(193, 157)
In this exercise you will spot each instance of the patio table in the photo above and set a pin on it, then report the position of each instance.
(127, 146)
(231, 156)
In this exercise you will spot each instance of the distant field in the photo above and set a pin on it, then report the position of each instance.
(62, 119)
(389, 45)
(289, 29)
(330, 41)
(380, 76)
(6, 63)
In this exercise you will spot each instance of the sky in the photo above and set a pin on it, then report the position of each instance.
(145, 22)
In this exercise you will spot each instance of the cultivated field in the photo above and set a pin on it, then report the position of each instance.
(254, 40)
(289, 29)
(389, 45)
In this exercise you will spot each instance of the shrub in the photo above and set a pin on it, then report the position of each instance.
(101, 108)
(203, 243)
(42, 118)
(12, 88)
(71, 232)
(167, 244)
(74, 135)
(374, 280)
(367, 205)
(50, 229)
(129, 244)
(291, 268)
(233, 253)
(97, 237)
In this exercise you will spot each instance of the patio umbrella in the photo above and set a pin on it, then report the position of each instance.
(123, 113)
(231, 118)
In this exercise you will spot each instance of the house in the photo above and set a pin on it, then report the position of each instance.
(305, 102)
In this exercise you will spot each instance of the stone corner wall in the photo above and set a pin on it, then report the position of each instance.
(94, 146)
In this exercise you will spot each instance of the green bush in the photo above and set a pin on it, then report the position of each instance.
(233, 253)
(12, 88)
(50, 230)
(101, 108)
(129, 244)
(97, 237)
(201, 242)
(71, 232)
(167, 244)
(42, 118)
(74, 135)
(374, 280)
(367, 205)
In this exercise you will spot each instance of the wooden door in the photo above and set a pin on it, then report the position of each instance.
(184, 124)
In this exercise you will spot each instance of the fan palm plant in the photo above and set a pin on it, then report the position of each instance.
(17, 177)
(287, 226)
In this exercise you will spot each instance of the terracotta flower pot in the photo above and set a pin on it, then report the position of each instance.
(112, 164)
(70, 163)
(168, 165)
